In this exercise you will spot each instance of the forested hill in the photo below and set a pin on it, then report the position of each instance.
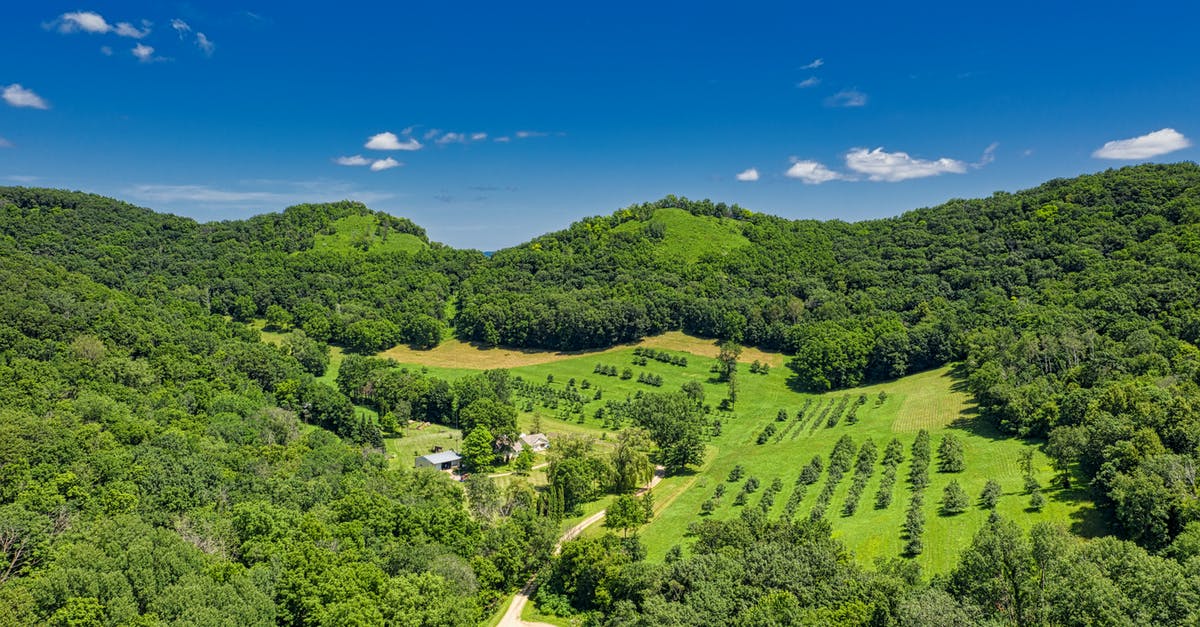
(342, 272)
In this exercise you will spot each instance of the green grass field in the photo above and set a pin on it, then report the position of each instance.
(359, 231)
(933, 400)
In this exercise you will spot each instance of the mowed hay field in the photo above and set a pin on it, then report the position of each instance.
(932, 400)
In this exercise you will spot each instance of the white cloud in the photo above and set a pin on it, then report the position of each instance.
(478, 137)
(92, 22)
(811, 81)
(106, 51)
(180, 27)
(503, 139)
(85, 21)
(18, 96)
(355, 160)
(385, 164)
(4, 143)
(276, 193)
(452, 138)
(988, 156)
(1159, 142)
(891, 167)
(811, 172)
(814, 65)
(145, 53)
(125, 29)
(847, 98)
(750, 174)
(205, 44)
(389, 141)
(528, 134)
(430, 134)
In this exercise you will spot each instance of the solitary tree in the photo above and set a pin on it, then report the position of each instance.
(950, 454)
(955, 499)
(991, 494)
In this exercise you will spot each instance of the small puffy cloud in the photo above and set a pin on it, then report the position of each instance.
(85, 21)
(354, 160)
(18, 96)
(816, 63)
(181, 27)
(891, 167)
(385, 164)
(1159, 142)
(92, 22)
(145, 53)
(205, 44)
(452, 138)
(811, 172)
(847, 98)
(478, 137)
(811, 81)
(750, 174)
(389, 141)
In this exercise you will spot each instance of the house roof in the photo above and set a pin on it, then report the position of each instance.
(533, 438)
(441, 458)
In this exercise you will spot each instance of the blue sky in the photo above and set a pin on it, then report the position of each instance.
(530, 115)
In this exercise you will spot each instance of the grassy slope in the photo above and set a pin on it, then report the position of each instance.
(690, 237)
(352, 230)
(931, 400)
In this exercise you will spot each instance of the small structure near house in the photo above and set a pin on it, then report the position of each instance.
(447, 460)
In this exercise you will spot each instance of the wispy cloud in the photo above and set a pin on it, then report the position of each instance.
(125, 29)
(847, 98)
(811, 172)
(811, 81)
(22, 178)
(816, 63)
(749, 174)
(528, 134)
(891, 167)
(205, 44)
(385, 164)
(503, 139)
(92, 22)
(1159, 142)
(181, 27)
(478, 137)
(17, 96)
(451, 138)
(4, 143)
(354, 160)
(268, 193)
(106, 51)
(389, 141)
(988, 156)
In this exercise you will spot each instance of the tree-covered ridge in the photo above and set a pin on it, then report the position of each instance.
(156, 468)
(367, 296)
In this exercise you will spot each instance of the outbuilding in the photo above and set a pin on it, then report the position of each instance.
(446, 460)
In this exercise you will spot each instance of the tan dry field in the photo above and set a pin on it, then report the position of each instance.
(453, 353)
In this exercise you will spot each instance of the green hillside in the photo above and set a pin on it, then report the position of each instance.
(367, 234)
(679, 236)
